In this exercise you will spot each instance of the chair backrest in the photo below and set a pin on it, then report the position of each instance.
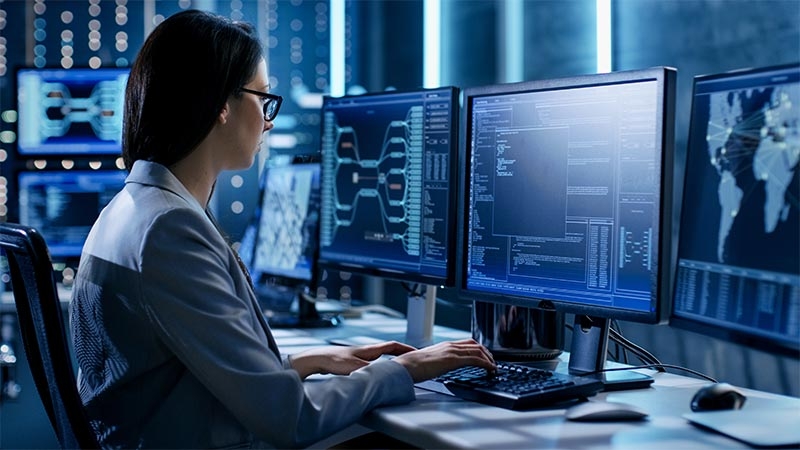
(43, 335)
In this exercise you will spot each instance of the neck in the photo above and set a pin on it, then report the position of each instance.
(197, 178)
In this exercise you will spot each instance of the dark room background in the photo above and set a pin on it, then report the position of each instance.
(333, 47)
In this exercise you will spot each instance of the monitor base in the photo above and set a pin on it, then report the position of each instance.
(623, 380)
(540, 354)
(518, 334)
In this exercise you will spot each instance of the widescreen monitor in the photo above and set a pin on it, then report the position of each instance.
(389, 168)
(738, 271)
(64, 204)
(74, 111)
(566, 200)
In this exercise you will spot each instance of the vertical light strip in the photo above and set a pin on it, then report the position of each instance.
(432, 43)
(149, 14)
(513, 48)
(603, 36)
(337, 48)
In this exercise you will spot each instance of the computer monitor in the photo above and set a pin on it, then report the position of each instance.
(281, 254)
(64, 204)
(286, 236)
(389, 170)
(738, 269)
(566, 200)
(75, 111)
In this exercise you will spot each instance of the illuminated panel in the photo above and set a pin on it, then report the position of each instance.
(63, 205)
(75, 111)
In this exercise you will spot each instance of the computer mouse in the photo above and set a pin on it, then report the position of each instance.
(596, 411)
(717, 396)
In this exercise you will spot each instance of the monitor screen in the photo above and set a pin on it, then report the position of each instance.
(63, 205)
(287, 225)
(738, 272)
(388, 184)
(70, 111)
(567, 195)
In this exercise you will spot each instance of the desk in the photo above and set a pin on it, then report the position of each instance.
(441, 421)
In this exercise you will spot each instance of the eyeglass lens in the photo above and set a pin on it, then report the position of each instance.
(270, 109)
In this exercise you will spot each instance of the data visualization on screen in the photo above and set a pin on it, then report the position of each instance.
(738, 273)
(63, 205)
(70, 111)
(388, 184)
(286, 236)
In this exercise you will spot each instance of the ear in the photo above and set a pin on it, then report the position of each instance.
(223, 113)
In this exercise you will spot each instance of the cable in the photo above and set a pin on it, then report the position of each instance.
(653, 367)
(615, 326)
(414, 290)
(643, 355)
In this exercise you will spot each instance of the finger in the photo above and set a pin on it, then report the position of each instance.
(475, 351)
(488, 353)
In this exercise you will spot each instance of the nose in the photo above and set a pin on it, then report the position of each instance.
(268, 125)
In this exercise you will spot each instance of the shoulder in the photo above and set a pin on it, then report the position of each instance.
(181, 230)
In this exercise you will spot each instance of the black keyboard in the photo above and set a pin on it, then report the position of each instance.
(515, 386)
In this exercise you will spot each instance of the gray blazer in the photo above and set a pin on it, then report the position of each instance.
(172, 348)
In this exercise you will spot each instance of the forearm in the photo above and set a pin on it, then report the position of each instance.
(304, 364)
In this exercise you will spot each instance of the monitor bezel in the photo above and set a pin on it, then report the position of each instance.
(704, 327)
(666, 82)
(448, 280)
(59, 154)
(281, 279)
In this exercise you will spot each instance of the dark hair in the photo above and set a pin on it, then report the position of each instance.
(183, 75)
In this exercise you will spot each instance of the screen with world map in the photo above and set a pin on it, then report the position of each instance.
(739, 250)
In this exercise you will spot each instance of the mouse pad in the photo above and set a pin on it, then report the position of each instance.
(756, 427)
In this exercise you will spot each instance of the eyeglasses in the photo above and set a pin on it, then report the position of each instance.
(272, 103)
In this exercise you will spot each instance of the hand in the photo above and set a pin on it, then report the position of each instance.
(430, 362)
(343, 360)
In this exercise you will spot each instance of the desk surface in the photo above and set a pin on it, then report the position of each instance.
(441, 421)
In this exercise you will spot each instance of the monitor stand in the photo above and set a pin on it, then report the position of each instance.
(588, 354)
(420, 317)
(516, 333)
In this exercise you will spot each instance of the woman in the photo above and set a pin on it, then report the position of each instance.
(172, 348)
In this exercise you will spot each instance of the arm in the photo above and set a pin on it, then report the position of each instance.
(421, 364)
(343, 360)
(190, 283)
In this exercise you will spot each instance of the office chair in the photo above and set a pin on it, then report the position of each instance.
(43, 335)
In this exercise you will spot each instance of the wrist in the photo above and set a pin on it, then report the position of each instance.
(304, 365)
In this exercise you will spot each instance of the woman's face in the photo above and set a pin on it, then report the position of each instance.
(247, 118)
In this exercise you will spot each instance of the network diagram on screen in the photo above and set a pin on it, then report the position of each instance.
(70, 111)
(386, 171)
